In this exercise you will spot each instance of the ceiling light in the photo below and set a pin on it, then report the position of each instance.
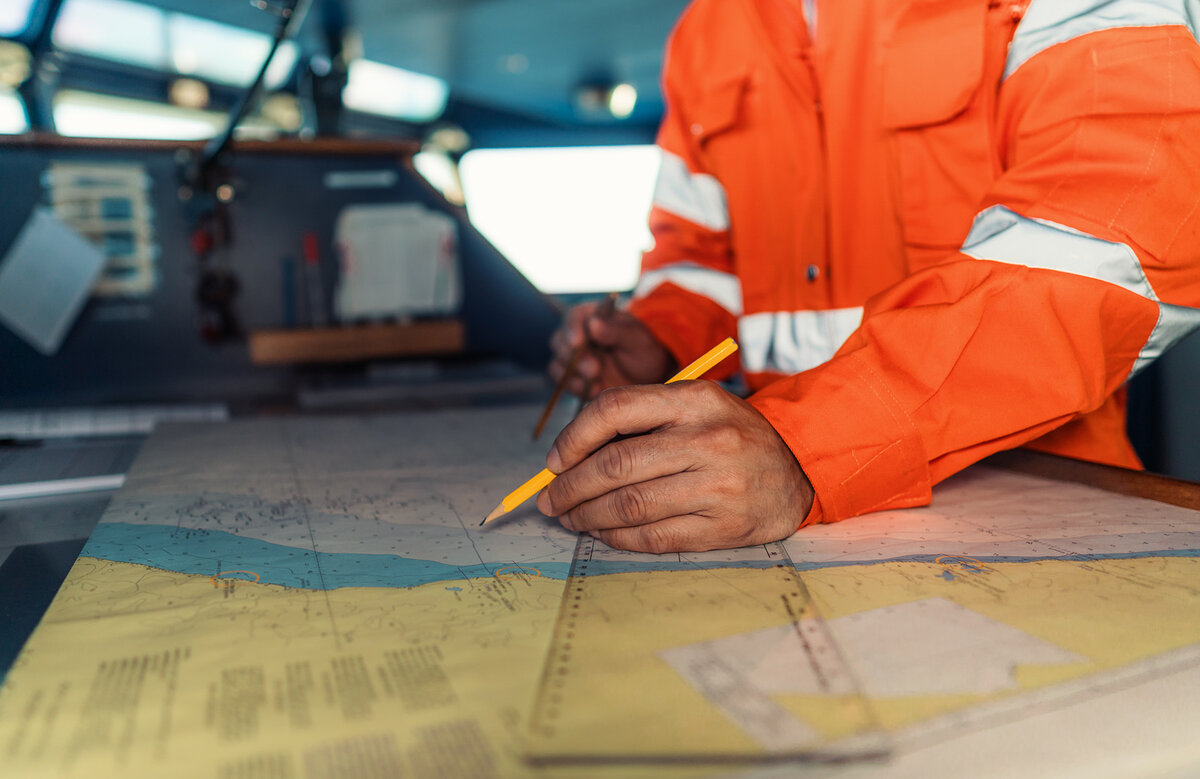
(599, 99)
(621, 100)
(189, 93)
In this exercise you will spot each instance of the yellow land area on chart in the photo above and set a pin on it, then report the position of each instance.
(137, 671)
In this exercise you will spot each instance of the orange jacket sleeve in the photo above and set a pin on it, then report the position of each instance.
(688, 294)
(1083, 265)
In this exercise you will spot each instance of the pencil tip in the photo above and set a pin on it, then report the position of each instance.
(496, 512)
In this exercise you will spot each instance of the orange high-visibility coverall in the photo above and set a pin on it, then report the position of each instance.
(938, 229)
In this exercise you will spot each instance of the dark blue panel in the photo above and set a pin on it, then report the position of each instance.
(29, 579)
(150, 349)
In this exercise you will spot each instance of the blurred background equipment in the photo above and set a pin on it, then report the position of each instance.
(529, 123)
(396, 261)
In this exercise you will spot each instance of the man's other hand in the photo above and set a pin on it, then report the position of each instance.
(624, 351)
(700, 469)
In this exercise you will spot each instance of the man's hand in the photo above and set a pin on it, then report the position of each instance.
(627, 352)
(702, 469)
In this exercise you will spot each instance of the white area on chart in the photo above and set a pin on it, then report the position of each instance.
(928, 647)
(729, 674)
(392, 484)
(988, 513)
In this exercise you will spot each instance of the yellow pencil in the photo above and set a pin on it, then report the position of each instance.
(537, 483)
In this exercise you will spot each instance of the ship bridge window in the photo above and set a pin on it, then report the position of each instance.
(142, 35)
(375, 88)
(573, 220)
(225, 54)
(12, 113)
(117, 30)
(92, 115)
(89, 115)
(14, 16)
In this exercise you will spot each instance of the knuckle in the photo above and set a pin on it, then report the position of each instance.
(609, 401)
(623, 538)
(695, 395)
(700, 389)
(746, 533)
(630, 506)
(600, 405)
(614, 403)
(737, 530)
(616, 538)
(725, 438)
(615, 463)
(657, 539)
(731, 485)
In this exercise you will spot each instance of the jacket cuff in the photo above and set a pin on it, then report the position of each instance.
(856, 444)
(688, 325)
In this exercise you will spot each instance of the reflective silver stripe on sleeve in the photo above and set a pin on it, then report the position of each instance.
(724, 289)
(1174, 323)
(1004, 236)
(1051, 22)
(794, 341)
(696, 197)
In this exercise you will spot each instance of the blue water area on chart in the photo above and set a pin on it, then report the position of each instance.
(206, 552)
(210, 552)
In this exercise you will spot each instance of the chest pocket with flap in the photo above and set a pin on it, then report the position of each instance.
(718, 109)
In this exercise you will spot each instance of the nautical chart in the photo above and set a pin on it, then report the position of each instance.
(314, 598)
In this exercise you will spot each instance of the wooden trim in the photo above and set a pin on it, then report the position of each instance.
(356, 344)
(1122, 481)
(342, 147)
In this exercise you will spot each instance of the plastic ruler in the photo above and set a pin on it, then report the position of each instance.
(711, 657)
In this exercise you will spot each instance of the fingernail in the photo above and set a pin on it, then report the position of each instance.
(553, 462)
(543, 503)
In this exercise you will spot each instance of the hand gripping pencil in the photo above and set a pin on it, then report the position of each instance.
(531, 487)
(603, 311)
